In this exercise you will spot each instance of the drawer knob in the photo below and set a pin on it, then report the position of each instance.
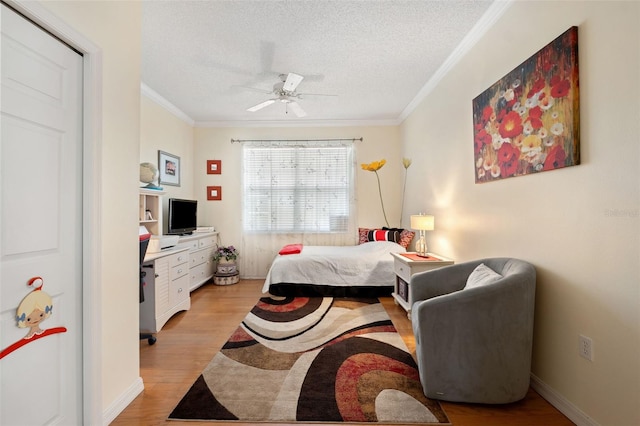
(180, 290)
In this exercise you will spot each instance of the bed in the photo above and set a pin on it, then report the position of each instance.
(364, 270)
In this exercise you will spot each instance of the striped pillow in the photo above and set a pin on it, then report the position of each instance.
(404, 236)
(368, 235)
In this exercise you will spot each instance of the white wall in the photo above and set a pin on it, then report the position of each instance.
(580, 226)
(119, 155)
(225, 215)
(164, 131)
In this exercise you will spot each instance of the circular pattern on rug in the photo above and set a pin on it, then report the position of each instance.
(286, 310)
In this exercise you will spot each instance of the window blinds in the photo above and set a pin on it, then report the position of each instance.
(297, 187)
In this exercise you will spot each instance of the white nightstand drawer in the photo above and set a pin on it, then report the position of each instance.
(402, 270)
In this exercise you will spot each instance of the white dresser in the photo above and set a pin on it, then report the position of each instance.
(201, 265)
(172, 274)
(166, 289)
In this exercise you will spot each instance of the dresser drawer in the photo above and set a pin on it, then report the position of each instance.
(178, 290)
(206, 242)
(179, 259)
(192, 245)
(200, 273)
(179, 271)
(201, 256)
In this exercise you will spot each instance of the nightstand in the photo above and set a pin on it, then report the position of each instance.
(407, 264)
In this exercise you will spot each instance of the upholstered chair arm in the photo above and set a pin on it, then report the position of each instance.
(428, 284)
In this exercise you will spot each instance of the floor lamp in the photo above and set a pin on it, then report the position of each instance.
(422, 223)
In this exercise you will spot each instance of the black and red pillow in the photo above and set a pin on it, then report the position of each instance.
(396, 235)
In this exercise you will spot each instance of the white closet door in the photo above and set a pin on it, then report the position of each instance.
(40, 223)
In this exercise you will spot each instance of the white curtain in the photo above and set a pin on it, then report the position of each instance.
(295, 192)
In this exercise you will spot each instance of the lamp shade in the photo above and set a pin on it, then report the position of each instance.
(422, 222)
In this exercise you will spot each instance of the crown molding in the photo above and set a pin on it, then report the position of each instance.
(160, 100)
(298, 123)
(493, 13)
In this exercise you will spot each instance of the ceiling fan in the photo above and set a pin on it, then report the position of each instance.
(285, 91)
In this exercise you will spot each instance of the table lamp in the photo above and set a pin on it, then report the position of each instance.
(422, 223)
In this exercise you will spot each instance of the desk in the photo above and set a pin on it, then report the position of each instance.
(166, 289)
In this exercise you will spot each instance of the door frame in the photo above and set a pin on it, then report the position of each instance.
(91, 196)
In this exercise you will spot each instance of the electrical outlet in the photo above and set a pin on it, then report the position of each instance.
(585, 348)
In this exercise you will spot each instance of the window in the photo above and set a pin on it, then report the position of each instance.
(298, 186)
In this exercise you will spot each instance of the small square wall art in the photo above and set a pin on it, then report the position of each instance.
(214, 193)
(529, 121)
(214, 167)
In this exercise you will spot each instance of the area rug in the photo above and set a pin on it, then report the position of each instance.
(312, 360)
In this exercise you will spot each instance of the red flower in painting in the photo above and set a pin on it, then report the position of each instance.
(486, 113)
(536, 123)
(555, 80)
(537, 86)
(535, 112)
(534, 117)
(511, 125)
(507, 153)
(555, 158)
(508, 159)
(561, 89)
(482, 138)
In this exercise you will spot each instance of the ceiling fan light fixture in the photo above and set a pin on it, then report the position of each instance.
(285, 92)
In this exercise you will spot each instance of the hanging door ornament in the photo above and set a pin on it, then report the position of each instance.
(36, 307)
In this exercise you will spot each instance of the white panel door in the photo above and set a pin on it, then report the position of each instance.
(40, 226)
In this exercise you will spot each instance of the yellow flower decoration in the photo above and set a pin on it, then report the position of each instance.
(374, 167)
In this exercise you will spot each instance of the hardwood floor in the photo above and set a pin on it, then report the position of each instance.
(190, 339)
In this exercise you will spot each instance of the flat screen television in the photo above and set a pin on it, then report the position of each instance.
(183, 216)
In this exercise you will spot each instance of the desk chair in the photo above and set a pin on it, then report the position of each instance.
(144, 243)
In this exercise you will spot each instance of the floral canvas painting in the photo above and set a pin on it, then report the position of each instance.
(528, 121)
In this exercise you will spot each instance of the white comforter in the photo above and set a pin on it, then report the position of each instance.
(365, 264)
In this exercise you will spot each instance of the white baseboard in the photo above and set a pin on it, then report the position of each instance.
(122, 401)
(576, 415)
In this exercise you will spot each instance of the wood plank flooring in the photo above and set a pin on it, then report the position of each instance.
(190, 339)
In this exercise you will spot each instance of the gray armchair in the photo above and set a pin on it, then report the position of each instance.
(474, 344)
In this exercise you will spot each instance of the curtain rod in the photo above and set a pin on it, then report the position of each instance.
(294, 140)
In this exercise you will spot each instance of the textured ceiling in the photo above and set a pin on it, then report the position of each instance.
(375, 55)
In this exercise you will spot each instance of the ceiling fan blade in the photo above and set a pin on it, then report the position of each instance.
(261, 105)
(314, 94)
(292, 82)
(255, 89)
(297, 109)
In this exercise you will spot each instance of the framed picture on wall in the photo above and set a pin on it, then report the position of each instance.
(214, 193)
(169, 168)
(214, 167)
(529, 121)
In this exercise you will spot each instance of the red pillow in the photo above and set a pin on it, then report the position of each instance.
(291, 249)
